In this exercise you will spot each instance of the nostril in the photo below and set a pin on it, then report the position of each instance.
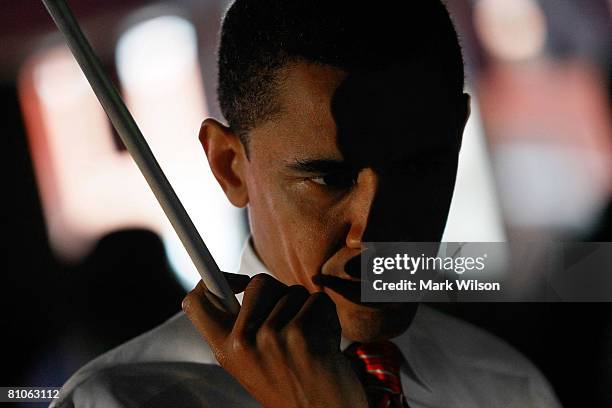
(353, 267)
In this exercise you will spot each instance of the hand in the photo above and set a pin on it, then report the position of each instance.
(283, 346)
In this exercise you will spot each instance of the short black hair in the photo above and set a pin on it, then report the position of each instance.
(260, 37)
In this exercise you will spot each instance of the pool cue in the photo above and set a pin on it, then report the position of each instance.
(138, 148)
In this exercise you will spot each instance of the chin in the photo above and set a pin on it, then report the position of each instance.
(367, 324)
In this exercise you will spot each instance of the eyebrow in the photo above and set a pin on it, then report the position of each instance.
(321, 165)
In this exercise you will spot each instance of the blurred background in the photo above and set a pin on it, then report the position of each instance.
(89, 260)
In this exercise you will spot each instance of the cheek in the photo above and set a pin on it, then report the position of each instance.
(293, 236)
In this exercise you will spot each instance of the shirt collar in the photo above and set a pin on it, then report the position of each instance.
(251, 265)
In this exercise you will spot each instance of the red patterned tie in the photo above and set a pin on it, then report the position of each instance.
(378, 366)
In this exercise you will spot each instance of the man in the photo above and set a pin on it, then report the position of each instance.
(344, 124)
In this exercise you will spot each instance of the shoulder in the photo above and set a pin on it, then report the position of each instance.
(468, 345)
(173, 341)
(460, 358)
(158, 384)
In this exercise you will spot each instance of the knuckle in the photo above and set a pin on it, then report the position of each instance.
(264, 282)
(221, 357)
(300, 328)
(268, 338)
(188, 302)
(256, 285)
(260, 279)
(239, 345)
(294, 335)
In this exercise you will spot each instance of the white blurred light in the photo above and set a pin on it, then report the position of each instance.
(474, 215)
(68, 80)
(548, 185)
(156, 51)
(89, 187)
(511, 29)
(158, 66)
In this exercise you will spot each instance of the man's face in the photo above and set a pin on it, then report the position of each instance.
(322, 179)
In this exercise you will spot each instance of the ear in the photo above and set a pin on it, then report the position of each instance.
(465, 109)
(227, 159)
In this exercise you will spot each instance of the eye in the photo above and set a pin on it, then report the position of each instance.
(336, 180)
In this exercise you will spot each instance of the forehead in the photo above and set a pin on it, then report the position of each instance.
(363, 118)
(305, 123)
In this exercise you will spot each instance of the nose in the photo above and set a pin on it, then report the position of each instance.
(361, 202)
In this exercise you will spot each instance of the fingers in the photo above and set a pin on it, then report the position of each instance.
(260, 297)
(212, 322)
(285, 316)
(287, 307)
(272, 307)
(215, 324)
(303, 322)
(319, 323)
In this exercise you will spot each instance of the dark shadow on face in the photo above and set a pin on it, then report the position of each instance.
(403, 123)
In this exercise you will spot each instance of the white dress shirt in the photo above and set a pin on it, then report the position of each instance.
(448, 363)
